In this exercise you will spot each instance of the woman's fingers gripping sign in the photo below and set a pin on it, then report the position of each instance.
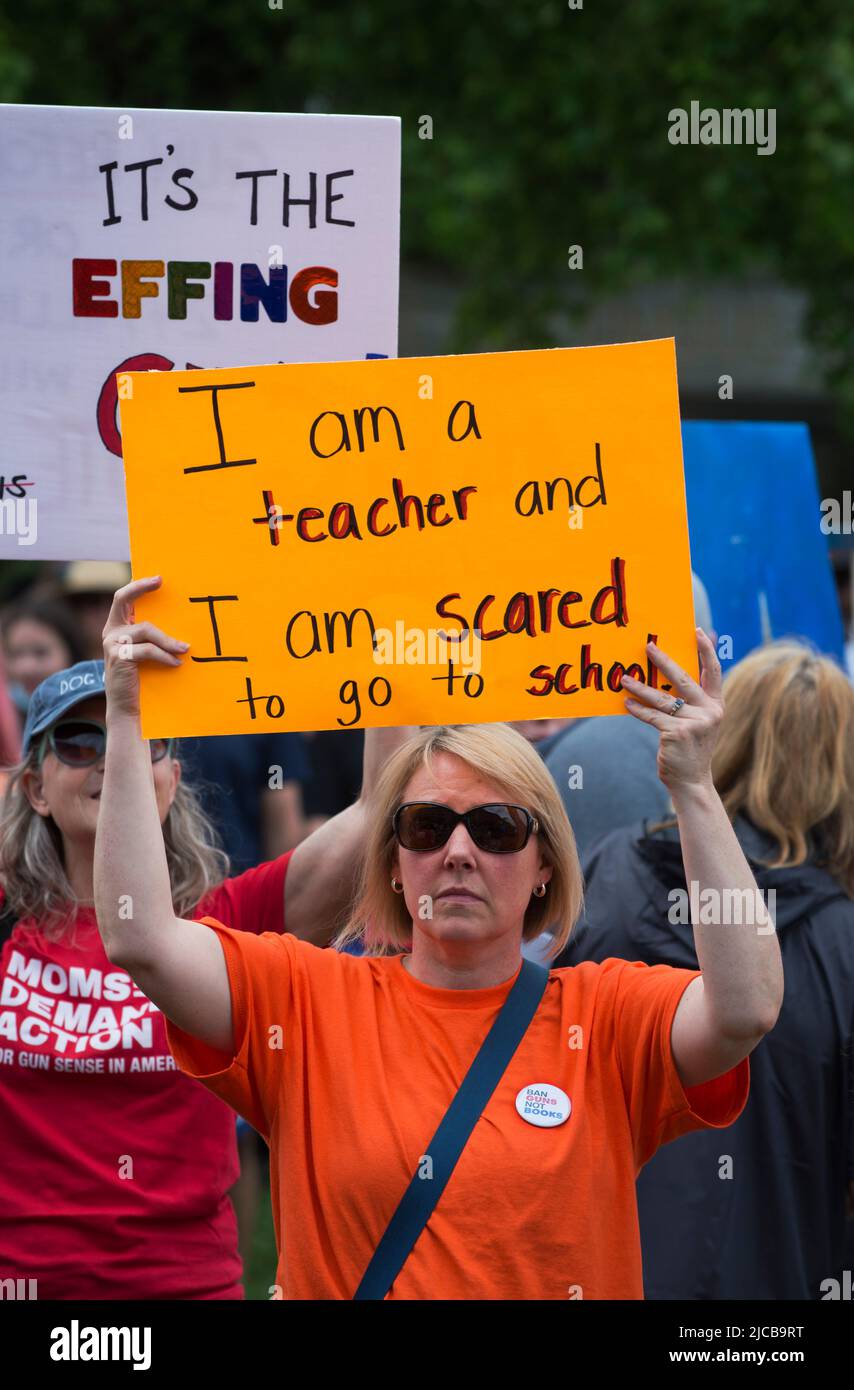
(127, 642)
(687, 717)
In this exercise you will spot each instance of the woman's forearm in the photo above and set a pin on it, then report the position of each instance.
(734, 934)
(133, 895)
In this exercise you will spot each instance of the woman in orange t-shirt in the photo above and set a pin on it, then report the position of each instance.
(347, 1064)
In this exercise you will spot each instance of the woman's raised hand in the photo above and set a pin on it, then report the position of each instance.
(689, 734)
(127, 642)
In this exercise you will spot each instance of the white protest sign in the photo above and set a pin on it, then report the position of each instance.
(152, 240)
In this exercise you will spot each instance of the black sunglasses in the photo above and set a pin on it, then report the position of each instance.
(496, 828)
(82, 743)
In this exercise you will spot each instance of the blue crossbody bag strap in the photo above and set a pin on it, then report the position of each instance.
(479, 1082)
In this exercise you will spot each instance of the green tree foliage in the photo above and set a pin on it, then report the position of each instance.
(549, 129)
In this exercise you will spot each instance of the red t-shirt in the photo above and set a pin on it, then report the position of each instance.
(115, 1167)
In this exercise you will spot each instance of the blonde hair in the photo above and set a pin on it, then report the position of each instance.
(785, 754)
(32, 870)
(499, 754)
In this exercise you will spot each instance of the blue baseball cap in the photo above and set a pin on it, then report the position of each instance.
(59, 693)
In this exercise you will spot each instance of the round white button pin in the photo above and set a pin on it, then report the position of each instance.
(543, 1105)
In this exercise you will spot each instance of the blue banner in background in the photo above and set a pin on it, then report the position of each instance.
(753, 519)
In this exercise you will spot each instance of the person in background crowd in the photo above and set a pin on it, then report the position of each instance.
(10, 738)
(335, 761)
(371, 1050)
(761, 1215)
(88, 587)
(39, 637)
(115, 1168)
(251, 787)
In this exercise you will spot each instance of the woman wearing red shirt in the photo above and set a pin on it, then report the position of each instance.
(115, 1167)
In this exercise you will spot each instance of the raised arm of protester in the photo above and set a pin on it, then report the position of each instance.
(178, 962)
(722, 1016)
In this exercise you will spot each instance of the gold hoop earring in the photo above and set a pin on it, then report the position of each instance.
(397, 887)
(540, 890)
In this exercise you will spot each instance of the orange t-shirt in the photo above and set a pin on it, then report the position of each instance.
(347, 1064)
